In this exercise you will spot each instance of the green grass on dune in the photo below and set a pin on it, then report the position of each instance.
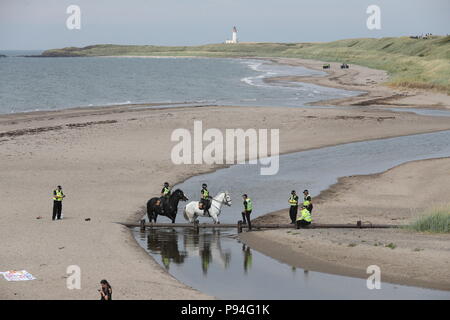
(411, 63)
(435, 221)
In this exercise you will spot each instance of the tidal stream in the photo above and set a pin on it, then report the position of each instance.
(217, 263)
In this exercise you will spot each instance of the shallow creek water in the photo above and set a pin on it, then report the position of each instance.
(217, 263)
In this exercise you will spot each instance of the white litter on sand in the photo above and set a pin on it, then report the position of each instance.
(14, 275)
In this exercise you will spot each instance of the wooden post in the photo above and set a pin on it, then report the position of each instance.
(239, 226)
(357, 225)
(142, 225)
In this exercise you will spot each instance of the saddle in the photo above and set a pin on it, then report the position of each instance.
(206, 204)
(161, 203)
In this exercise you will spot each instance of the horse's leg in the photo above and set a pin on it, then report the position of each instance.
(155, 215)
(214, 216)
(149, 212)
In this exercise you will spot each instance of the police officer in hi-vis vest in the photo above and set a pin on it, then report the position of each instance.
(293, 201)
(205, 199)
(58, 197)
(248, 207)
(165, 194)
(304, 220)
(166, 191)
(307, 201)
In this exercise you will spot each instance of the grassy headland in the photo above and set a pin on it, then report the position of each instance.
(411, 63)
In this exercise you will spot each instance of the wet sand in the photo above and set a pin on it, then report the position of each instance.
(110, 161)
(371, 82)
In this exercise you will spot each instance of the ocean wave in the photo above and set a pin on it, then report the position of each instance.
(269, 70)
(254, 65)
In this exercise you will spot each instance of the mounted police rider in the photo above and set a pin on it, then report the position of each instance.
(205, 199)
(166, 191)
(165, 194)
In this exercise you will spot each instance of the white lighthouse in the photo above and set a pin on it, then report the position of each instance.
(233, 37)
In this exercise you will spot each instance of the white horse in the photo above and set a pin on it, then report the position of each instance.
(192, 211)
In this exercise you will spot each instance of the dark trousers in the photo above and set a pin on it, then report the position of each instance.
(57, 209)
(293, 213)
(206, 203)
(246, 218)
(302, 224)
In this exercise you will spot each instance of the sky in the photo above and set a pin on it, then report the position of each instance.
(41, 24)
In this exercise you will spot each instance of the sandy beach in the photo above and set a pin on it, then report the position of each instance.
(359, 78)
(111, 160)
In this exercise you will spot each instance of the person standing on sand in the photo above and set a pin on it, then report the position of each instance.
(307, 201)
(58, 196)
(248, 207)
(105, 290)
(293, 201)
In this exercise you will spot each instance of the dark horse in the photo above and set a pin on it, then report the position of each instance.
(168, 207)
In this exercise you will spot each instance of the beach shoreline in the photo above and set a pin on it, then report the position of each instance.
(273, 243)
(370, 82)
(99, 149)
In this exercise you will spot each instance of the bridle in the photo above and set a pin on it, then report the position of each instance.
(226, 202)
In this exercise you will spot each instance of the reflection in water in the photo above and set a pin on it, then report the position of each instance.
(205, 245)
(215, 262)
(166, 244)
(247, 257)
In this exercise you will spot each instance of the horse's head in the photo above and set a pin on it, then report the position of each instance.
(179, 194)
(227, 198)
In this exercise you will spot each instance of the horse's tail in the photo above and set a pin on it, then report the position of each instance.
(150, 209)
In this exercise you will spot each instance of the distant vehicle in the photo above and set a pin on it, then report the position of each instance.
(344, 66)
(326, 66)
